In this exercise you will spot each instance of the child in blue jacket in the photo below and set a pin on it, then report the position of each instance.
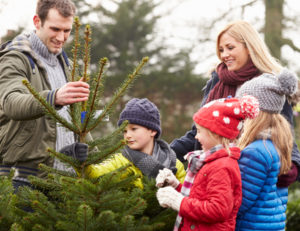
(266, 145)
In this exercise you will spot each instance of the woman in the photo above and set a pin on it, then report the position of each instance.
(243, 56)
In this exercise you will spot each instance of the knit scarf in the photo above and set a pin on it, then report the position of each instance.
(57, 79)
(230, 80)
(195, 162)
(162, 157)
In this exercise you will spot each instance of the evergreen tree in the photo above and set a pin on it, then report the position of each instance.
(126, 32)
(68, 201)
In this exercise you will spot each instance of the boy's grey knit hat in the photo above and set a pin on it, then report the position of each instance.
(270, 90)
(142, 112)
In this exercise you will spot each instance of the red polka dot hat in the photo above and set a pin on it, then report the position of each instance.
(225, 116)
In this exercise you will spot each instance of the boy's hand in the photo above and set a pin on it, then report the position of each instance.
(76, 150)
(168, 197)
(166, 177)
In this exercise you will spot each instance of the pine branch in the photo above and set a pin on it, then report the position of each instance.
(66, 159)
(119, 93)
(55, 171)
(37, 205)
(44, 183)
(86, 58)
(75, 47)
(108, 139)
(75, 66)
(49, 108)
(85, 215)
(91, 107)
(97, 157)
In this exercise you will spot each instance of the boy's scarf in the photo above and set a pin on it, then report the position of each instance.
(230, 80)
(196, 160)
(162, 157)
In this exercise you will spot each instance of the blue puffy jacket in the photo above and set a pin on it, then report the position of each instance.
(264, 204)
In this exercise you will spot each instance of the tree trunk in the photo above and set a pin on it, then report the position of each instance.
(273, 26)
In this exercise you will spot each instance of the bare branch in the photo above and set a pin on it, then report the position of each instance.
(289, 42)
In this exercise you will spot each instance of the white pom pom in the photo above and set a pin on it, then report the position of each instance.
(249, 106)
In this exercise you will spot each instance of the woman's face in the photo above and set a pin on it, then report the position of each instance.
(233, 53)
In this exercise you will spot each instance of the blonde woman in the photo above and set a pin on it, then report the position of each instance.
(243, 56)
(266, 145)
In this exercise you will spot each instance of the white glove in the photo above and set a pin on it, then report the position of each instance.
(167, 177)
(168, 197)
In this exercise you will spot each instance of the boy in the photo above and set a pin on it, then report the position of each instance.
(144, 150)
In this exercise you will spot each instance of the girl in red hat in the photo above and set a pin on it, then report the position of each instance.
(210, 197)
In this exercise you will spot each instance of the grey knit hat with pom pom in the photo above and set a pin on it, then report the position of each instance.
(270, 90)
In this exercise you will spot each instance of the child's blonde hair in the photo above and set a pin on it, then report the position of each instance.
(220, 139)
(280, 134)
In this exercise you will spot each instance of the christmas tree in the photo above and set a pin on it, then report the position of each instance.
(69, 201)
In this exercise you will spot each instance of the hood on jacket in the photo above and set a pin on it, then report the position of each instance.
(22, 44)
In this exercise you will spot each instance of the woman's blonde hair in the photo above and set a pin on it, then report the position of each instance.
(280, 134)
(244, 33)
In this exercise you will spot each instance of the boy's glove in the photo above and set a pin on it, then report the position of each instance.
(166, 177)
(78, 151)
(168, 197)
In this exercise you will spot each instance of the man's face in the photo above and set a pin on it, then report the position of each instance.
(55, 30)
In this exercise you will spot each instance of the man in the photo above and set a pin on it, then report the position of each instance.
(25, 130)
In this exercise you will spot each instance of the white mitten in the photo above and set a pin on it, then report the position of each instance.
(167, 177)
(168, 197)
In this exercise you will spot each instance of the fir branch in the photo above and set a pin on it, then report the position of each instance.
(85, 215)
(55, 171)
(137, 207)
(86, 58)
(64, 158)
(97, 157)
(91, 108)
(44, 183)
(75, 113)
(49, 108)
(108, 139)
(44, 210)
(75, 66)
(75, 47)
(119, 93)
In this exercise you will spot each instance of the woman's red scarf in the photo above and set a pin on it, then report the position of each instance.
(230, 80)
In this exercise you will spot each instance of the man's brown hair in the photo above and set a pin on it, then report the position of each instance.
(65, 7)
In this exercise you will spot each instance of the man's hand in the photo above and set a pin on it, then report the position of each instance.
(72, 92)
(78, 151)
